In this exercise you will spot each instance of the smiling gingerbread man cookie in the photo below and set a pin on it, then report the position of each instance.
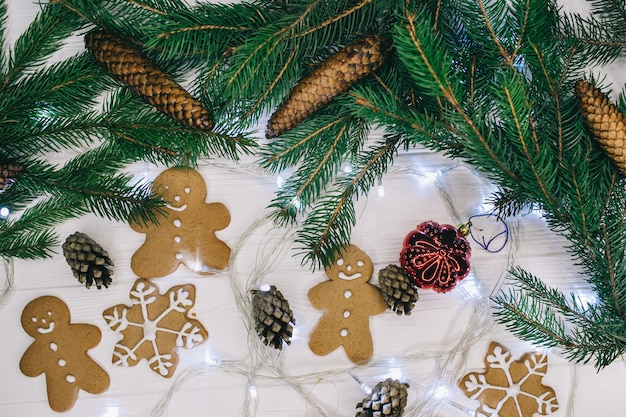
(60, 352)
(348, 300)
(185, 231)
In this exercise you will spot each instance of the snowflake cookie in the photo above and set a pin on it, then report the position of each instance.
(154, 325)
(511, 388)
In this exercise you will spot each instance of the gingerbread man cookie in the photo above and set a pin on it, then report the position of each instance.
(185, 231)
(60, 351)
(348, 300)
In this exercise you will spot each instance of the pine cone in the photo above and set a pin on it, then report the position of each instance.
(90, 263)
(9, 171)
(388, 399)
(334, 76)
(129, 65)
(605, 121)
(398, 290)
(273, 317)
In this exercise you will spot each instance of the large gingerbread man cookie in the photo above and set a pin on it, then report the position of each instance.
(348, 300)
(184, 232)
(60, 352)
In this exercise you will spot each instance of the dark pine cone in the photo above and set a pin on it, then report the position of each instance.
(90, 263)
(9, 171)
(273, 317)
(398, 290)
(388, 399)
(128, 64)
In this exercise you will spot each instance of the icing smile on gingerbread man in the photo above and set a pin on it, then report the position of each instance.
(348, 268)
(44, 329)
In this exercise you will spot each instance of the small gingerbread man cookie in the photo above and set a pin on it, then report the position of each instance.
(60, 351)
(348, 300)
(185, 231)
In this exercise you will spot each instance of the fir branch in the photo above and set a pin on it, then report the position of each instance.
(287, 151)
(602, 35)
(417, 48)
(36, 244)
(531, 320)
(316, 170)
(3, 22)
(43, 215)
(510, 203)
(42, 38)
(328, 226)
(522, 132)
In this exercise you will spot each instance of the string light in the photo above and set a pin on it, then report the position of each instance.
(112, 412)
(4, 212)
(280, 181)
(364, 387)
(346, 167)
(441, 392)
(380, 189)
(586, 298)
(264, 364)
(296, 203)
(471, 288)
(429, 177)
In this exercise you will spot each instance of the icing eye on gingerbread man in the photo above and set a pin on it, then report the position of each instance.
(353, 265)
(43, 318)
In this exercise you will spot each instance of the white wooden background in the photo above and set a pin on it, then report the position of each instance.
(232, 374)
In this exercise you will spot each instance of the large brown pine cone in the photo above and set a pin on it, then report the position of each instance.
(127, 63)
(331, 78)
(605, 121)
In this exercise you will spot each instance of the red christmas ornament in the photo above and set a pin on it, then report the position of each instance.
(435, 256)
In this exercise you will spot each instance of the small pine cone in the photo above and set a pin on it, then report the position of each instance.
(399, 291)
(606, 123)
(90, 263)
(128, 64)
(273, 317)
(331, 78)
(9, 171)
(388, 399)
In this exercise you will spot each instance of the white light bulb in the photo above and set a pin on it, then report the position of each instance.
(366, 388)
(265, 287)
(381, 191)
(4, 212)
(430, 176)
(280, 181)
(441, 392)
(253, 392)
